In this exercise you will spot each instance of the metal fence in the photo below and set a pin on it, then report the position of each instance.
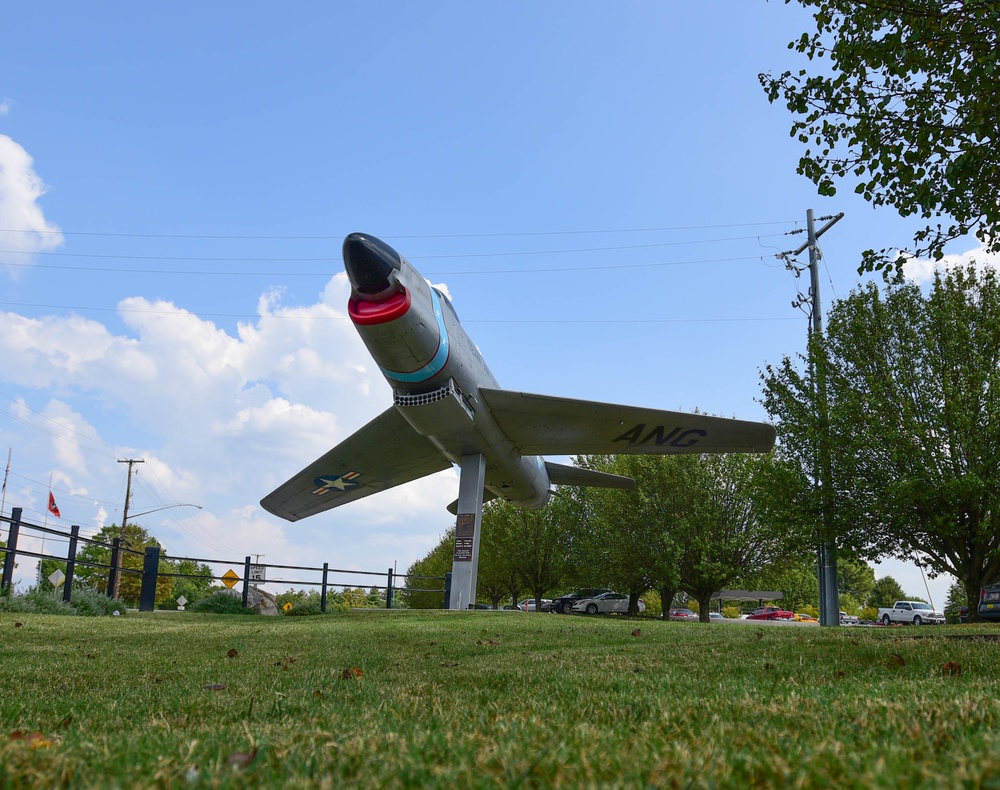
(254, 573)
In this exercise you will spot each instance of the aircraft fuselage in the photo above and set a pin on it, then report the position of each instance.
(435, 370)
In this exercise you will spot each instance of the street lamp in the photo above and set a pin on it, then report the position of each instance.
(155, 509)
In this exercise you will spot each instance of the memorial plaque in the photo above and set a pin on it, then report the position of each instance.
(465, 532)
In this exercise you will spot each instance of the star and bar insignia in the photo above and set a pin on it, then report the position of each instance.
(342, 482)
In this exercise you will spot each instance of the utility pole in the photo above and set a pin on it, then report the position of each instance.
(829, 595)
(128, 495)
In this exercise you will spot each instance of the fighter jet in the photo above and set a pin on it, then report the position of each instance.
(448, 406)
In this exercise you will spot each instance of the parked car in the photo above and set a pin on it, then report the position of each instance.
(681, 614)
(915, 612)
(715, 616)
(770, 613)
(804, 618)
(849, 619)
(606, 603)
(528, 605)
(989, 602)
(564, 603)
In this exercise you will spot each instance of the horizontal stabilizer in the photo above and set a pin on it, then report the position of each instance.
(487, 496)
(543, 425)
(562, 475)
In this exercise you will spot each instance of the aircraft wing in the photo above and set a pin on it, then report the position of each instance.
(544, 425)
(387, 452)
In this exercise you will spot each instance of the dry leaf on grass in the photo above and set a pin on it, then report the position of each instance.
(951, 668)
(232, 652)
(352, 673)
(636, 632)
(214, 686)
(897, 660)
(241, 759)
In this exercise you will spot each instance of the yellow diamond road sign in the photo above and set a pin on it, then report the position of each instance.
(229, 578)
(287, 606)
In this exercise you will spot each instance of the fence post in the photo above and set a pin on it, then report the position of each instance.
(388, 592)
(447, 590)
(8, 559)
(322, 595)
(150, 569)
(116, 566)
(74, 534)
(246, 580)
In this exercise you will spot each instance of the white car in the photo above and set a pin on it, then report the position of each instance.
(606, 603)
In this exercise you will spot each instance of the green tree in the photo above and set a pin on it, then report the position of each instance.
(136, 539)
(901, 97)
(530, 545)
(498, 579)
(885, 593)
(955, 601)
(795, 576)
(437, 562)
(623, 538)
(856, 578)
(725, 534)
(194, 581)
(913, 386)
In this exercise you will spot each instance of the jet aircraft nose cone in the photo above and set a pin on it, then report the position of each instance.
(369, 262)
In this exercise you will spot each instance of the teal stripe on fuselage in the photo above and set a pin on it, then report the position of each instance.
(436, 365)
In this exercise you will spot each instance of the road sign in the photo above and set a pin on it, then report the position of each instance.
(287, 606)
(257, 573)
(57, 577)
(229, 578)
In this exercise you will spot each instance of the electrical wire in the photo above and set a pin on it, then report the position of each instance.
(507, 234)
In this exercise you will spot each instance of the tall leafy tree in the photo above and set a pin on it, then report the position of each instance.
(135, 539)
(626, 537)
(885, 592)
(498, 579)
(913, 385)
(726, 535)
(855, 577)
(901, 98)
(436, 563)
(536, 549)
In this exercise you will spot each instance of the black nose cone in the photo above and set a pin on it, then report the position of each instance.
(369, 262)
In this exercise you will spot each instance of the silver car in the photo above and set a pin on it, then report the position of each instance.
(606, 603)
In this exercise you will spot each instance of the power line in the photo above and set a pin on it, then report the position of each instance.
(331, 259)
(340, 236)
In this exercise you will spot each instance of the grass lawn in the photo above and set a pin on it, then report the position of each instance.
(484, 699)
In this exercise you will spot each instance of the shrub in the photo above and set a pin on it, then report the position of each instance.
(731, 612)
(36, 601)
(91, 603)
(88, 603)
(221, 603)
(308, 604)
(869, 613)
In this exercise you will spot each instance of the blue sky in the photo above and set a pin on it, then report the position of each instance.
(602, 189)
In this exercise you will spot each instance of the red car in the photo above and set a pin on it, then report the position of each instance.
(770, 613)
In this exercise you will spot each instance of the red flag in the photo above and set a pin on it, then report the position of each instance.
(53, 507)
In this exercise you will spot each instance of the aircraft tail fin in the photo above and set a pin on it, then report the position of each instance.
(562, 475)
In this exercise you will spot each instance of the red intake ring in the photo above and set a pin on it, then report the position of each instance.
(366, 312)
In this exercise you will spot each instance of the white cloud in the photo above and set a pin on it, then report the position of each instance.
(5, 105)
(921, 271)
(26, 231)
(220, 420)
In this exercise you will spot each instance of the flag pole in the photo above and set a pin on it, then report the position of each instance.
(3, 491)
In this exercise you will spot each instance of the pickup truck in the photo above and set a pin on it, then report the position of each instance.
(914, 612)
